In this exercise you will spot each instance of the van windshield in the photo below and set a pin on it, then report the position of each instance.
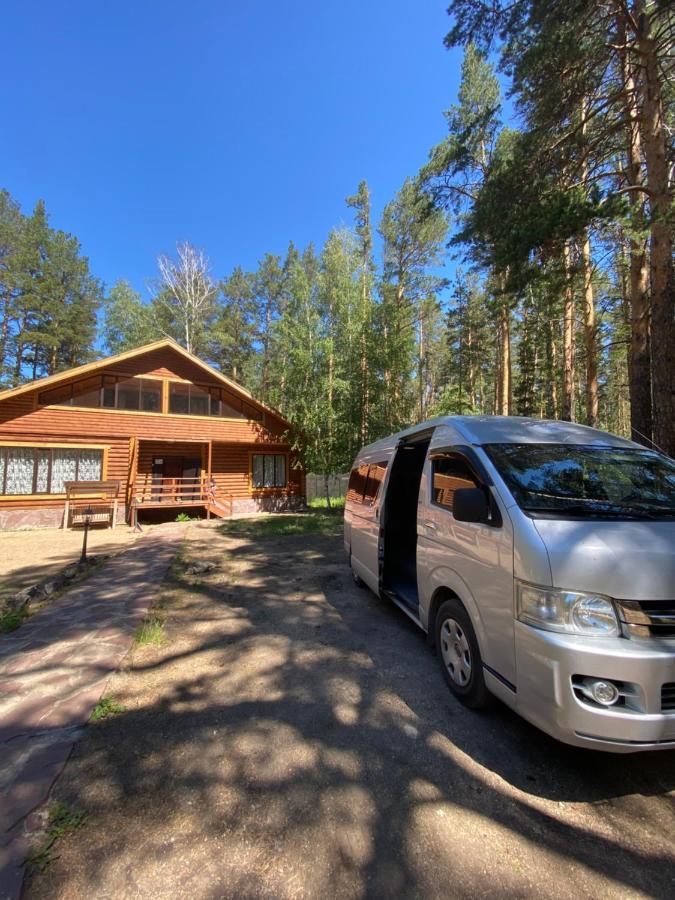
(587, 481)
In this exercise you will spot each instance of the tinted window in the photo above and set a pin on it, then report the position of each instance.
(376, 473)
(585, 481)
(450, 474)
(365, 481)
(357, 484)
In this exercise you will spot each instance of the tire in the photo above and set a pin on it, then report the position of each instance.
(459, 655)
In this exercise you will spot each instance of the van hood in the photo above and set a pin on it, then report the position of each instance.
(625, 560)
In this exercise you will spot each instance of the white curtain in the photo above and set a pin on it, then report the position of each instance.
(64, 468)
(20, 465)
(42, 480)
(91, 465)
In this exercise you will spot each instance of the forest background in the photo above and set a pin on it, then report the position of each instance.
(560, 221)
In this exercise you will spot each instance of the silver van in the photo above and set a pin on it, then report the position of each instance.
(539, 557)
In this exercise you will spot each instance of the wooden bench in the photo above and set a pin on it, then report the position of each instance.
(93, 501)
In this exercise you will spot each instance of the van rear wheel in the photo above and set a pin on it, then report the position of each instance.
(459, 655)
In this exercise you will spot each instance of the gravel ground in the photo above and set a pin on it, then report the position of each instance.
(292, 737)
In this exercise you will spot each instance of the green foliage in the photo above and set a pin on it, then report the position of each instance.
(150, 631)
(336, 503)
(48, 298)
(11, 619)
(62, 821)
(105, 709)
(128, 322)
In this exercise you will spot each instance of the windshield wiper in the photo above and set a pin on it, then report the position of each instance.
(585, 511)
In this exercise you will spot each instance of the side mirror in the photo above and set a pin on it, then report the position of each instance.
(470, 505)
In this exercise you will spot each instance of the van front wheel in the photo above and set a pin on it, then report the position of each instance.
(459, 656)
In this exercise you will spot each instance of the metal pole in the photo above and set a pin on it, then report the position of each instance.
(87, 519)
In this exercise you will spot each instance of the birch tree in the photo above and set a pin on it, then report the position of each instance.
(185, 294)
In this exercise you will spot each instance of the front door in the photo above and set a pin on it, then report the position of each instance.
(169, 474)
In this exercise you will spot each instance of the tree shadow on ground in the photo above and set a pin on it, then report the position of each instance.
(294, 737)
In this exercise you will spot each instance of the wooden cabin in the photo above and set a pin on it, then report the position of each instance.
(153, 428)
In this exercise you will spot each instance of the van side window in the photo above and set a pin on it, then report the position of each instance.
(376, 473)
(357, 484)
(364, 483)
(450, 474)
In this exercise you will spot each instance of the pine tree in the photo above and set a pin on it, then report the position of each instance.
(127, 321)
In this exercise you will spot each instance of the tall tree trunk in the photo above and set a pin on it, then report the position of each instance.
(590, 336)
(639, 354)
(4, 334)
(567, 412)
(505, 339)
(655, 144)
(471, 373)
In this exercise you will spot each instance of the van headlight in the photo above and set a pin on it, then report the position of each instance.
(567, 611)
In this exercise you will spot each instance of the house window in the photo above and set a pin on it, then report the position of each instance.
(108, 392)
(188, 399)
(268, 470)
(44, 470)
(222, 404)
(141, 394)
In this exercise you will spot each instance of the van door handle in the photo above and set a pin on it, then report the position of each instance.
(432, 525)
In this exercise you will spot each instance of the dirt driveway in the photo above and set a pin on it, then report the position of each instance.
(292, 737)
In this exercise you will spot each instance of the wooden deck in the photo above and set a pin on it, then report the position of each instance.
(155, 492)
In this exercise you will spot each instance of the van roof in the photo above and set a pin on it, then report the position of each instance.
(511, 430)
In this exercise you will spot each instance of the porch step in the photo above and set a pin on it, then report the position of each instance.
(219, 508)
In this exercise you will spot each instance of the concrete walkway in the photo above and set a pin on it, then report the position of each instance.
(53, 672)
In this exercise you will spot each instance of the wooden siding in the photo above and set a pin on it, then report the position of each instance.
(233, 440)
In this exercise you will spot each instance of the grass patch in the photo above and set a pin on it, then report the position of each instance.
(313, 522)
(321, 503)
(62, 821)
(105, 708)
(10, 620)
(150, 631)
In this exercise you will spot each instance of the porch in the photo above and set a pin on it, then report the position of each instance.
(220, 478)
(167, 474)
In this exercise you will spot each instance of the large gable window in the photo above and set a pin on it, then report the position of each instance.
(144, 394)
(45, 470)
(188, 399)
(108, 392)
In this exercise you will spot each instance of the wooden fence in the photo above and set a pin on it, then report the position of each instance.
(316, 486)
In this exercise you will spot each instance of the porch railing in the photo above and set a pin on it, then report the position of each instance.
(163, 489)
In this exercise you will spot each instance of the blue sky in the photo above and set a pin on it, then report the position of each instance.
(237, 125)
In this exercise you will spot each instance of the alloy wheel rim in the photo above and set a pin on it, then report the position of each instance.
(456, 652)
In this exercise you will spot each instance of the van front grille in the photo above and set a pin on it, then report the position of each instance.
(647, 618)
(668, 696)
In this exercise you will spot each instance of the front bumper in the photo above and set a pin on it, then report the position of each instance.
(546, 664)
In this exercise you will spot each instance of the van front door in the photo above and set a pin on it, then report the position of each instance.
(474, 560)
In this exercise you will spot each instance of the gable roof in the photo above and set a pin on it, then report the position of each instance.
(164, 343)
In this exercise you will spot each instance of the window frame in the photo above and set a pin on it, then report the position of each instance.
(273, 453)
(249, 412)
(46, 495)
(482, 476)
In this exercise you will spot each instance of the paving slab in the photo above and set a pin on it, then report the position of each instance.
(53, 672)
